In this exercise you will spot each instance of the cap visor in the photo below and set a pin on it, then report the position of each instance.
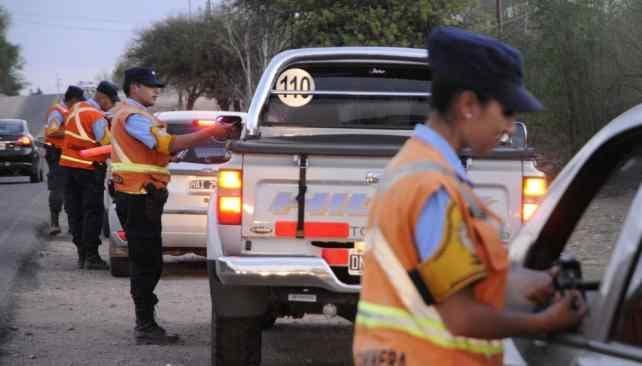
(154, 82)
(521, 100)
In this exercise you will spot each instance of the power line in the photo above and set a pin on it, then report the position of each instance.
(80, 17)
(64, 26)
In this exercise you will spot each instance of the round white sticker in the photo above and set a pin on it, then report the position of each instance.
(294, 80)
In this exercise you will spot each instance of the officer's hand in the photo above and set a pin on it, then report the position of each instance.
(541, 288)
(565, 312)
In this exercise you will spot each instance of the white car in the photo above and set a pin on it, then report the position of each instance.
(194, 175)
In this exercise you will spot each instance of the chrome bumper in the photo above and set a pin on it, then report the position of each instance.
(280, 272)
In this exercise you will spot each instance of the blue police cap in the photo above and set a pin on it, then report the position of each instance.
(482, 63)
(143, 76)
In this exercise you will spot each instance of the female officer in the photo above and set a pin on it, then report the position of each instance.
(434, 277)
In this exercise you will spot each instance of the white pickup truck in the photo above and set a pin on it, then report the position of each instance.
(287, 220)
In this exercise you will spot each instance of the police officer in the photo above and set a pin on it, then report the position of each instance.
(141, 150)
(86, 127)
(106, 97)
(54, 137)
(434, 277)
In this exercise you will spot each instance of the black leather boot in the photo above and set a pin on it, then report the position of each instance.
(147, 331)
(54, 226)
(82, 256)
(94, 261)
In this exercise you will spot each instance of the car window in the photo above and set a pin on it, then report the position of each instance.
(11, 127)
(350, 95)
(596, 233)
(209, 152)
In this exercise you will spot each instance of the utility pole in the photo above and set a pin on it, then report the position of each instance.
(189, 9)
(58, 82)
(499, 8)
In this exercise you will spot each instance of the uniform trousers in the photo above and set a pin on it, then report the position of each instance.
(84, 202)
(140, 216)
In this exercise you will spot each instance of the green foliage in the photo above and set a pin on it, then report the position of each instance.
(187, 53)
(10, 62)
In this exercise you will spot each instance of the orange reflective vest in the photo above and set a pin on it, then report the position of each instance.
(79, 135)
(51, 140)
(133, 164)
(394, 324)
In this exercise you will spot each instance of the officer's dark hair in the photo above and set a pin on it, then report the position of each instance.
(126, 86)
(445, 90)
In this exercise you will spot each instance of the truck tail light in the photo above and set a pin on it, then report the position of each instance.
(229, 197)
(24, 141)
(533, 190)
(335, 256)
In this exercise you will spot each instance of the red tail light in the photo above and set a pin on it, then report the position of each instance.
(335, 256)
(229, 197)
(121, 235)
(24, 141)
(533, 190)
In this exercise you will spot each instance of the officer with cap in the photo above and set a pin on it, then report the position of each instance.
(106, 96)
(54, 137)
(435, 271)
(141, 150)
(85, 127)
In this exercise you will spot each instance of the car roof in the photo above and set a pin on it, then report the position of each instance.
(627, 121)
(188, 116)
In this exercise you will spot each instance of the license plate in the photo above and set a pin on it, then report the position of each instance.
(355, 262)
(202, 185)
(302, 297)
(3, 146)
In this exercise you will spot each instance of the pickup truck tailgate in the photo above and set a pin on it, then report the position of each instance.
(335, 208)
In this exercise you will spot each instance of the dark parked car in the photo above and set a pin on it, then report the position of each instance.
(18, 152)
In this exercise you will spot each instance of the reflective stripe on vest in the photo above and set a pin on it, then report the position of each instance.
(417, 319)
(138, 168)
(80, 161)
(82, 134)
(379, 316)
(420, 320)
(127, 166)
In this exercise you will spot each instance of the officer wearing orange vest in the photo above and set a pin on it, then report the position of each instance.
(54, 137)
(85, 128)
(141, 150)
(434, 278)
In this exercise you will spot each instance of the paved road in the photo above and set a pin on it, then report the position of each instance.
(54, 314)
(23, 206)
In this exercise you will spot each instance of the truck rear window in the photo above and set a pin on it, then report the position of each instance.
(209, 152)
(350, 95)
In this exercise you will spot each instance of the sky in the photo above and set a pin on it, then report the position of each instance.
(63, 42)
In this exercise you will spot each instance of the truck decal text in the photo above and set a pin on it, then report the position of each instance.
(322, 204)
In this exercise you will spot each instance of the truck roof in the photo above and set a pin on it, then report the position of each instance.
(281, 60)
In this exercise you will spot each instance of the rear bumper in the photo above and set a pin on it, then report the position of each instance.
(24, 158)
(280, 272)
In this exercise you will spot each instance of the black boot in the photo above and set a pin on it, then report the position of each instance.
(147, 331)
(82, 256)
(54, 226)
(94, 261)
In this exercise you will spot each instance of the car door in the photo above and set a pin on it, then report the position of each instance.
(193, 173)
(597, 221)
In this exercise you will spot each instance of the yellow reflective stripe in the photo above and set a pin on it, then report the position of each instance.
(377, 316)
(67, 157)
(138, 168)
(75, 135)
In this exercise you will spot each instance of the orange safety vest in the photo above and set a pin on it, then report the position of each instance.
(133, 164)
(393, 321)
(79, 135)
(56, 141)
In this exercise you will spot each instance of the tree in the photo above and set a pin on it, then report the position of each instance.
(186, 53)
(10, 62)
